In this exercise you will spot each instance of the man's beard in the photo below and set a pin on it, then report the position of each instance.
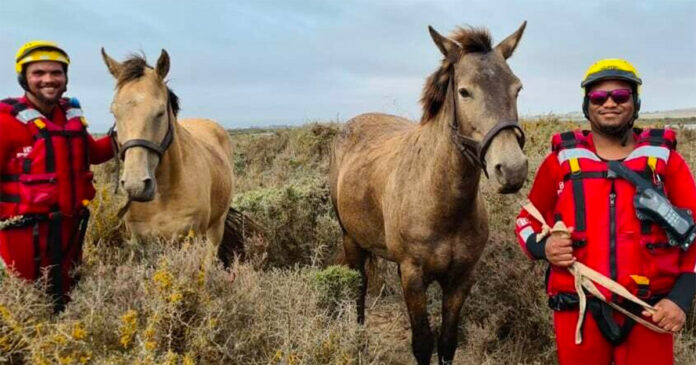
(620, 132)
(50, 101)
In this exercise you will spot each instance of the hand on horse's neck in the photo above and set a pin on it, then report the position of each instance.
(610, 148)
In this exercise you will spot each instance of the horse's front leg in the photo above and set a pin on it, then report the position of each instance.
(453, 294)
(414, 286)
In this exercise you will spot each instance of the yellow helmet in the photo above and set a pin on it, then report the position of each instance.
(39, 51)
(612, 69)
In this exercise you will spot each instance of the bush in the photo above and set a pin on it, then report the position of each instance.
(336, 284)
(298, 219)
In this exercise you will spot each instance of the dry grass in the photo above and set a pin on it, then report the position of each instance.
(165, 302)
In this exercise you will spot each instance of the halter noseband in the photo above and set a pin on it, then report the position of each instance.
(472, 149)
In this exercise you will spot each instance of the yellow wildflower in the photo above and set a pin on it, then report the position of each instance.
(128, 328)
(79, 331)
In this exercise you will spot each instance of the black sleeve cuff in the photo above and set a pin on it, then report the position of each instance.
(536, 249)
(683, 291)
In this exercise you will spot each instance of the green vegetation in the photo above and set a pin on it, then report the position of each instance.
(164, 302)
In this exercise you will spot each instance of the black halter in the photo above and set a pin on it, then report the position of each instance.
(159, 149)
(472, 149)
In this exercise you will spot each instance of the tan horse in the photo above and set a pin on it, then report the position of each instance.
(177, 174)
(410, 192)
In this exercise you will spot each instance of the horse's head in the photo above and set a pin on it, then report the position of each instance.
(477, 91)
(144, 109)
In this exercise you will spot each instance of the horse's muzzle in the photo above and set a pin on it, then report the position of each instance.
(140, 192)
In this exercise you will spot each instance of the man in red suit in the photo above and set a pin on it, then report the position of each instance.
(574, 185)
(45, 178)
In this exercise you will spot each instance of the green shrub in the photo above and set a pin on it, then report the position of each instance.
(336, 284)
(298, 221)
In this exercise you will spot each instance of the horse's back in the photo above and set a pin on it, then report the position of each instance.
(369, 129)
(210, 132)
(364, 155)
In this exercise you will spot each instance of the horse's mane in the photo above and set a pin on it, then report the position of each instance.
(471, 40)
(133, 68)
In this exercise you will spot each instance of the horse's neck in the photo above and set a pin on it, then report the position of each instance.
(170, 170)
(452, 177)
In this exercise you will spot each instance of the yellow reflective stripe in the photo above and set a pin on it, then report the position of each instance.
(652, 162)
(640, 279)
(39, 123)
(574, 165)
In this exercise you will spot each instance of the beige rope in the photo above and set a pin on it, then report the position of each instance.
(10, 221)
(586, 277)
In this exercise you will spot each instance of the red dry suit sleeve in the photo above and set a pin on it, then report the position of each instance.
(13, 135)
(681, 192)
(543, 195)
(100, 150)
(4, 142)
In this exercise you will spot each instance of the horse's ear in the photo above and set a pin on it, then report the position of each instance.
(162, 67)
(448, 47)
(508, 45)
(113, 65)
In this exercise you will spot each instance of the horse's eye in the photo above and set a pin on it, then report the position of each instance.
(159, 115)
(464, 93)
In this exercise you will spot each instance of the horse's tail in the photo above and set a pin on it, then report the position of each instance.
(238, 227)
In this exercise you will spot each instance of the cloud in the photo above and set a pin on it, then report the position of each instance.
(268, 62)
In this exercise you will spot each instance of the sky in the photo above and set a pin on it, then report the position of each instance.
(262, 63)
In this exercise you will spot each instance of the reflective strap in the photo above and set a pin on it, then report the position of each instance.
(567, 154)
(27, 115)
(652, 162)
(73, 113)
(525, 233)
(650, 151)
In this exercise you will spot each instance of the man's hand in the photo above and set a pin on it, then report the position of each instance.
(559, 249)
(668, 316)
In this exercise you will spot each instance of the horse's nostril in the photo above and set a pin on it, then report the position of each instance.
(499, 170)
(147, 183)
